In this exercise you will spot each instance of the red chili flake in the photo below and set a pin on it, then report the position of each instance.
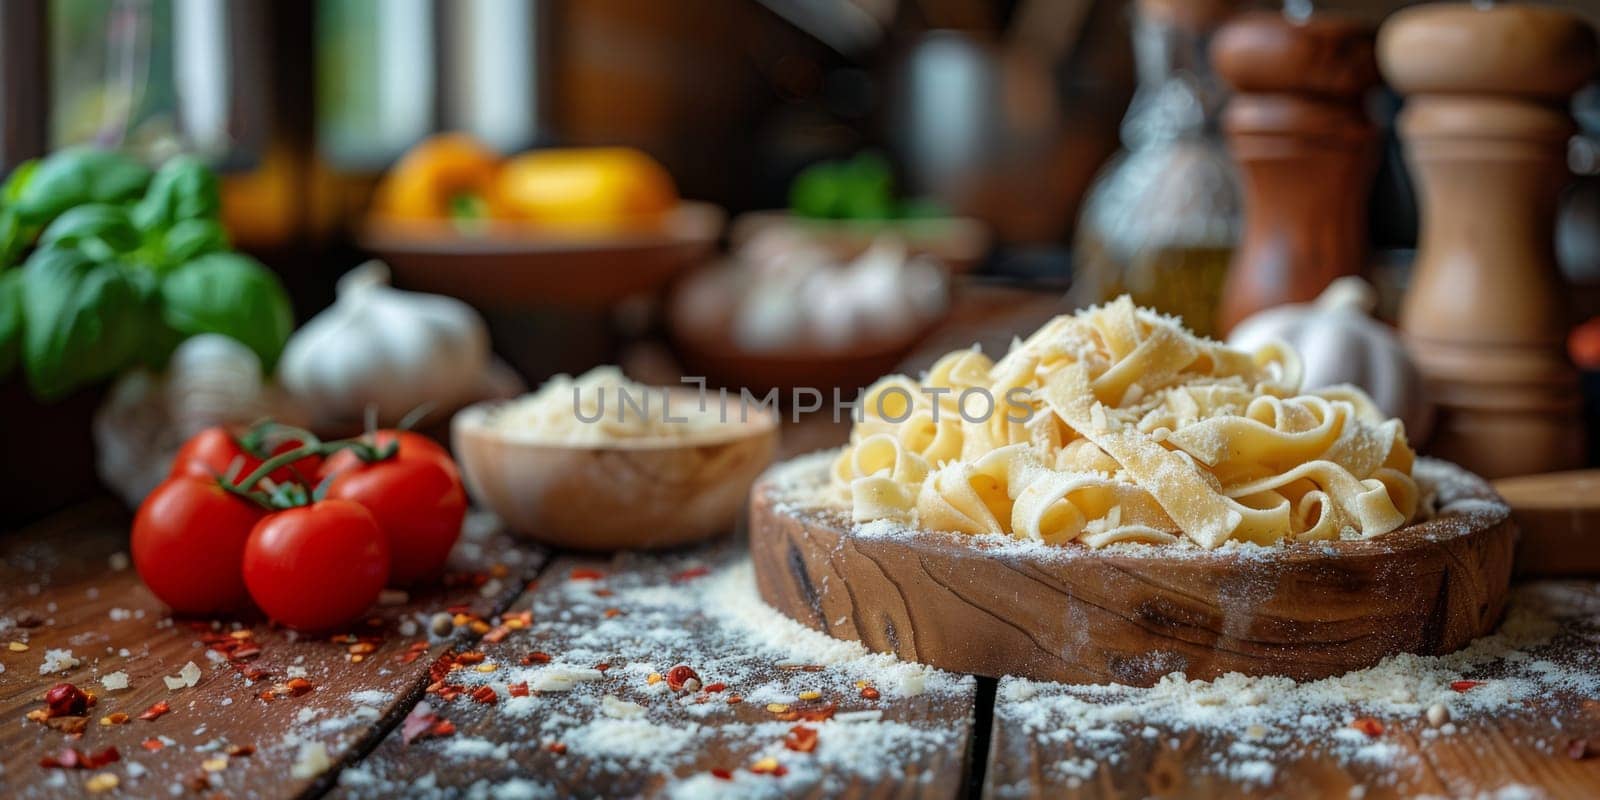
(517, 689)
(1578, 749)
(444, 727)
(485, 695)
(613, 612)
(66, 700)
(242, 750)
(556, 747)
(1368, 726)
(722, 774)
(155, 711)
(497, 634)
(585, 574)
(870, 693)
(801, 739)
(692, 573)
(683, 677)
(1464, 686)
(820, 714)
(470, 657)
(716, 687)
(71, 726)
(602, 667)
(733, 698)
(298, 686)
(252, 674)
(422, 722)
(603, 592)
(69, 758)
(245, 653)
(535, 657)
(102, 758)
(152, 744)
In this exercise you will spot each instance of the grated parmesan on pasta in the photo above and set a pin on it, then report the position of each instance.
(1117, 424)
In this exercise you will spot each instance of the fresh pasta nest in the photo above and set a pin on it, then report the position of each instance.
(1116, 424)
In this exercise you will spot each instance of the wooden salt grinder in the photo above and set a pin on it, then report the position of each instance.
(1306, 151)
(1486, 129)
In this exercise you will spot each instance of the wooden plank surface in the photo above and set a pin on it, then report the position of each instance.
(621, 732)
(66, 585)
(1523, 708)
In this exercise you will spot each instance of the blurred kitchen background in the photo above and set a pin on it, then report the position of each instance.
(953, 162)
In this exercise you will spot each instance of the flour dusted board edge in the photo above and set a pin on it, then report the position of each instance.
(574, 711)
(1304, 610)
(65, 584)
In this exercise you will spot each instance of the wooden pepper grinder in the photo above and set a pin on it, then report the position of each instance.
(1486, 129)
(1306, 150)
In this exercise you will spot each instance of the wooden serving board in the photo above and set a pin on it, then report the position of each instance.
(1559, 514)
(1131, 615)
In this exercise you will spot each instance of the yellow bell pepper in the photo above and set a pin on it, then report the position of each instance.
(600, 188)
(449, 176)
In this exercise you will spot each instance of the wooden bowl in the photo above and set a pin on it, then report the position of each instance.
(645, 493)
(512, 266)
(1131, 614)
(960, 243)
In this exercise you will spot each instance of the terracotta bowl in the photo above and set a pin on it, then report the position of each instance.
(513, 266)
(725, 364)
(644, 493)
(958, 242)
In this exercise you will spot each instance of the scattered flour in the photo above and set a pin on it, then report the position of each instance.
(615, 724)
(1530, 666)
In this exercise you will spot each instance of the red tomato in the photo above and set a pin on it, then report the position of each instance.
(419, 505)
(412, 446)
(188, 538)
(316, 567)
(213, 451)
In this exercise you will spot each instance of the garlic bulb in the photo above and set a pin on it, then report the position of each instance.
(383, 348)
(806, 298)
(1340, 342)
(210, 380)
(214, 380)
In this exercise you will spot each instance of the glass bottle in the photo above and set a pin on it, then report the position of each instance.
(1161, 218)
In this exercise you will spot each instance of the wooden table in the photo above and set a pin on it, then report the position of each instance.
(591, 642)
(605, 626)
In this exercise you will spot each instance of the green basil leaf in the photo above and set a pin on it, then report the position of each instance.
(184, 188)
(11, 190)
(13, 239)
(101, 231)
(76, 176)
(815, 191)
(189, 239)
(230, 294)
(84, 321)
(159, 340)
(10, 320)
